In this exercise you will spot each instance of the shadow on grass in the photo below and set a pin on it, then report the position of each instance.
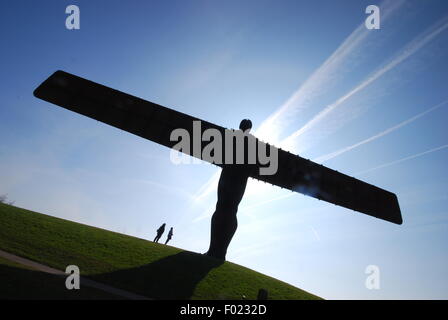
(172, 277)
(24, 284)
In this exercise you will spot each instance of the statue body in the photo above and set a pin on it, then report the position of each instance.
(231, 187)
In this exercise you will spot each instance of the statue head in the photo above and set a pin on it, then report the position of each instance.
(245, 124)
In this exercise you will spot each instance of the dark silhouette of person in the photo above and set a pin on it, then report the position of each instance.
(159, 232)
(231, 187)
(170, 235)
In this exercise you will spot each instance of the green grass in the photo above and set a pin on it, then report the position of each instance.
(129, 263)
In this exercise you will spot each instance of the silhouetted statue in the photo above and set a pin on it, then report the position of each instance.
(157, 123)
(159, 232)
(231, 187)
(170, 235)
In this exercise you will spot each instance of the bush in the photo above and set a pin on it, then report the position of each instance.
(4, 198)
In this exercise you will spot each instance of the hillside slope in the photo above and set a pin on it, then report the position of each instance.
(150, 269)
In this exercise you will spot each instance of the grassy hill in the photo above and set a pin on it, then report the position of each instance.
(140, 266)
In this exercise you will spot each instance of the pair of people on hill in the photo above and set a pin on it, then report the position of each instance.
(160, 231)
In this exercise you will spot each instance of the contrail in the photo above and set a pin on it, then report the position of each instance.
(208, 187)
(361, 172)
(322, 78)
(205, 214)
(408, 51)
(315, 233)
(290, 194)
(334, 154)
(402, 160)
(271, 128)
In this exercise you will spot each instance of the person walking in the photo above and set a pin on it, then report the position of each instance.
(159, 232)
(170, 235)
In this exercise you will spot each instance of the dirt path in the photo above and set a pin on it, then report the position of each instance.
(83, 281)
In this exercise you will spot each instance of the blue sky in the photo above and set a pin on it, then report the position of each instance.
(370, 103)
